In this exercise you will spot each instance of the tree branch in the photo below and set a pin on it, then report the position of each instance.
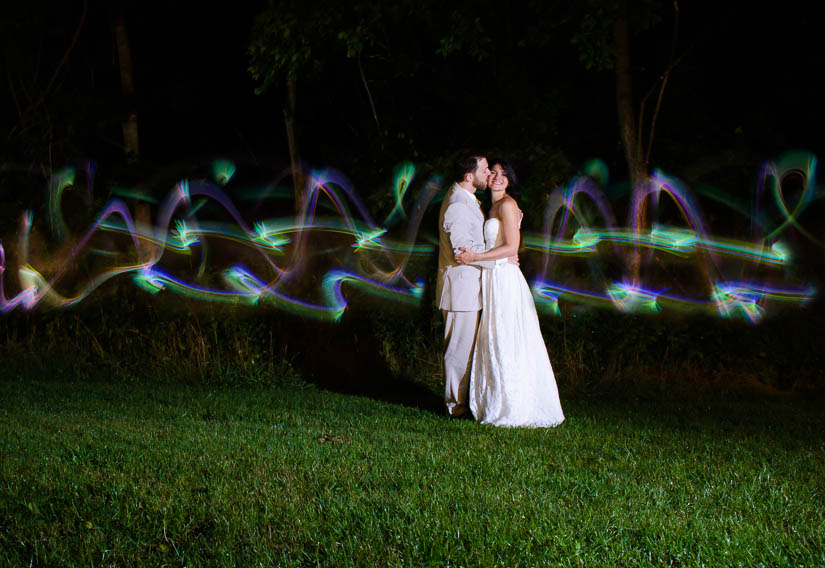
(44, 93)
(14, 97)
(369, 93)
(655, 116)
(673, 61)
(671, 64)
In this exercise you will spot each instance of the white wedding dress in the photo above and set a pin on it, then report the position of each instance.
(511, 382)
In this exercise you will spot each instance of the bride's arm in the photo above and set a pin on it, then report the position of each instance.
(509, 219)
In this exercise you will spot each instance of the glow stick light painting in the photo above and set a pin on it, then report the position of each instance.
(306, 263)
(740, 277)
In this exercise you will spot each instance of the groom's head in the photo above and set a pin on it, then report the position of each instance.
(471, 170)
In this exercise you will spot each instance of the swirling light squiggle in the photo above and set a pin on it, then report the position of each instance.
(727, 295)
(284, 257)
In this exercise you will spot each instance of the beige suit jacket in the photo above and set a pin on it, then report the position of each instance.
(461, 224)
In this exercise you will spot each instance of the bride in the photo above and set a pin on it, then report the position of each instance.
(511, 381)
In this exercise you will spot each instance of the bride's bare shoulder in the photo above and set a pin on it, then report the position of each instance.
(509, 205)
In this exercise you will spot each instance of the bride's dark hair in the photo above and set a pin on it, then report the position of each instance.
(513, 189)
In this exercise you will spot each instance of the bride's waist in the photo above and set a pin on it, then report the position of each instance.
(501, 264)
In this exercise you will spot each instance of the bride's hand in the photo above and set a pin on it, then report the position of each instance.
(466, 256)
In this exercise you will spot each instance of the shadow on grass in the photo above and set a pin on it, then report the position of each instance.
(347, 359)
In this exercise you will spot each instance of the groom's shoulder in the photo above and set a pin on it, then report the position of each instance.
(454, 194)
(457, 205)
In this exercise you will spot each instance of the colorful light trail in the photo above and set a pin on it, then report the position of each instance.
(307, 262)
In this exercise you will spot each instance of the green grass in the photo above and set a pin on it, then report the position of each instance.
(97, 473)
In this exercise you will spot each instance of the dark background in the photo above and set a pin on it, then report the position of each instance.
(747, 82)
(746, 89)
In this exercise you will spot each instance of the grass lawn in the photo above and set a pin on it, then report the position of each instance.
(97, 473)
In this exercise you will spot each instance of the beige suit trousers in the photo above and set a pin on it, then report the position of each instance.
(459, 338)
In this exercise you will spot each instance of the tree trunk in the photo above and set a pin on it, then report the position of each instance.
(294, 156)
(127, 81)
(630, 139)
(624, 104)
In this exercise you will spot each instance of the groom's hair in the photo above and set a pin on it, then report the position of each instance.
(466, 162)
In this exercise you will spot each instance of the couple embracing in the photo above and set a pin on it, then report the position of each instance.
(495, 362)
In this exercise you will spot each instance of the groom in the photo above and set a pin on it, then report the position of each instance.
(458, 289)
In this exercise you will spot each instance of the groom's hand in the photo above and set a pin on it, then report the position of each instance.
(466, 256)
(513, 260)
